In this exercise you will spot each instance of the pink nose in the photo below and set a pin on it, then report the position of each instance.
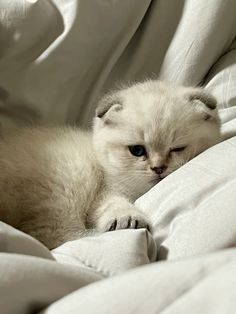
(159, 170)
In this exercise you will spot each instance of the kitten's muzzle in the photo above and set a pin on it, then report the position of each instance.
(159, 170)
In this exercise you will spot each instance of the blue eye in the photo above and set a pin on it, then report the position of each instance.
(137, 150)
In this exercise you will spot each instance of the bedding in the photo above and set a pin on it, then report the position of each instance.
(56, 58)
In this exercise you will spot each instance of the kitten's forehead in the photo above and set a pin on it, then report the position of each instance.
(152, 100)
(158, 115)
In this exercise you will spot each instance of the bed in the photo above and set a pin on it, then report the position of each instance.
(56, 59)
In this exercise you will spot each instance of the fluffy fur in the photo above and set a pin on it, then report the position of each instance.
(56, 183)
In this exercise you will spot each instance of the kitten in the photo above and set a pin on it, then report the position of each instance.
(56, 183)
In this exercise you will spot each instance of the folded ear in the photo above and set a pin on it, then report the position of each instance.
(204, 103)
(201, 95)
(107, 107)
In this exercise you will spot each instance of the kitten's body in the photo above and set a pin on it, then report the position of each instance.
(49, 181)
(56, 183)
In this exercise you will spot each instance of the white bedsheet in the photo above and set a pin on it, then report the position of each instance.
(56, 58)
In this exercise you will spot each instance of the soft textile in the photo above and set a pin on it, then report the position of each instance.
(56, 58)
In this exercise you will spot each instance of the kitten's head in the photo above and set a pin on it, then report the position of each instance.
(146, 131)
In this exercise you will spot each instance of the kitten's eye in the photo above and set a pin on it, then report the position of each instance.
(137, 150)
(178, 149)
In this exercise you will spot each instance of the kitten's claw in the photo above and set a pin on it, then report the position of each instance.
(127, 222)
(112, 225)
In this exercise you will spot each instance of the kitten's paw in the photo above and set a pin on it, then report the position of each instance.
(127, 222)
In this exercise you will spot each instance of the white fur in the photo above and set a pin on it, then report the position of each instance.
(57, 182)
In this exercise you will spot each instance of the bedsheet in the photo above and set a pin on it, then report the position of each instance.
(187, 264)
(56, 58)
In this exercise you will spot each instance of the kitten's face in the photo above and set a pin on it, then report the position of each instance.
(145, 132)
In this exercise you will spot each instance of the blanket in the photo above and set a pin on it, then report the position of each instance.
(57, 57)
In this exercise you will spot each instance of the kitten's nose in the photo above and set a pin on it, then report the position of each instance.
(159, 170)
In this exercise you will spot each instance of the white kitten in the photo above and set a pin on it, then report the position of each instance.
(57, 182)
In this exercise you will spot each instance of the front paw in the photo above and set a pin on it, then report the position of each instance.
(127, 222)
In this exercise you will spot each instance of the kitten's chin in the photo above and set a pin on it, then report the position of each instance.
(157, 179)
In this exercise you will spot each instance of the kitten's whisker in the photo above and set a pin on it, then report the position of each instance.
(135, 178)
(135, 171)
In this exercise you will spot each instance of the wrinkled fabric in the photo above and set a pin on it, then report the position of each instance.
(56, 59)
(201, 285)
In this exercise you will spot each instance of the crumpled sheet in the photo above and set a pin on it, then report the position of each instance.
(56, 58)
(188, 264)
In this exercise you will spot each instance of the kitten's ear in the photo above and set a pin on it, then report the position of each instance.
(107, 107)
(204, 103)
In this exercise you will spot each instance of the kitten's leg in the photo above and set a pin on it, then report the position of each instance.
(52, 235)
(116, 212)
(52, 223)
